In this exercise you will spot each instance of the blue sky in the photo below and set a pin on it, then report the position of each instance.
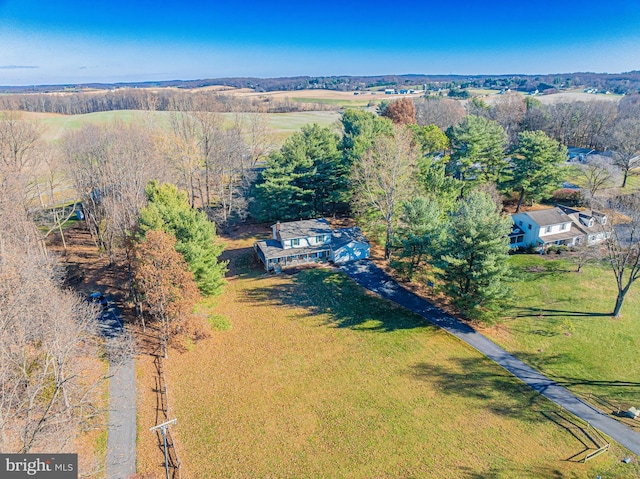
(72, 41)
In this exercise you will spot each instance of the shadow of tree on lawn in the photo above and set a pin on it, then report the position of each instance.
(501, 394)
(331, 293)
(537, 312)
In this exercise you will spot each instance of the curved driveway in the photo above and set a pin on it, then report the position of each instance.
(374, 279)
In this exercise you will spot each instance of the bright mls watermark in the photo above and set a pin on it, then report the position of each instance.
(46, 466)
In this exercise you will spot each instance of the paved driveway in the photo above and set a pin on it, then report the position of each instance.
(121, 439)
(374, 279)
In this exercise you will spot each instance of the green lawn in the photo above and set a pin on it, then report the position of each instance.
(562, 326)
(317, 378)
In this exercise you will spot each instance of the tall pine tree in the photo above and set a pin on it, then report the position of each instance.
(474, 256)
(307, 178)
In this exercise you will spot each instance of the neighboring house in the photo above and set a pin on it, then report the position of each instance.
(310, 241)
(557, 226)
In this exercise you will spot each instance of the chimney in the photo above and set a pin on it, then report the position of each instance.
(276, 231)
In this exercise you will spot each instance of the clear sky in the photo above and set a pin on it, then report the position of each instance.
(73, 41)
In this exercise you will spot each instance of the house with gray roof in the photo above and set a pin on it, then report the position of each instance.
(557, 226)
(310, 241)
(560, 225)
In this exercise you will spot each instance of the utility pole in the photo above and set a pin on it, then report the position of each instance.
(163, 430)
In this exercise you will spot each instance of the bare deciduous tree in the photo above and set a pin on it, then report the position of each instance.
(19, 143)
(581, 124)
(111, 167)
(385, 177)
(626, 146)
(509, 111)
(48, 359)
(442, 112)
(623, 246)
(599, 172)
(229, 161)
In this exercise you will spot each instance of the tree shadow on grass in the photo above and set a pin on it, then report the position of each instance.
(480, 382)
(538, 312)
(546, 472)
(338, 298)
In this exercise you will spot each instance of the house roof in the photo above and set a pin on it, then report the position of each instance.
(581, 217)
(548, 217)
(345, 236)
(272, 249)
(304, 228)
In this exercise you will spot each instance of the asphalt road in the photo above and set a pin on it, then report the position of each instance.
(371, 277)
(121, 440)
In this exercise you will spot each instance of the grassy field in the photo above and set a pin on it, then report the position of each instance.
(562, 326)
(357, 103)
(282, 124)
(316, 378)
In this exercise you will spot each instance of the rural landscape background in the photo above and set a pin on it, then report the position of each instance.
(142, 156)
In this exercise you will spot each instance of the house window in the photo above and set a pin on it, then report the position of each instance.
(529, 226)
(295, 242)
(563, 226)
(547, 229)
(520, 222)
(514, 239)
(519, 239)
(320, 239)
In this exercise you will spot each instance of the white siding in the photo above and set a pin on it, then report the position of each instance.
(529, 227)
(306, 242)
(555, 229)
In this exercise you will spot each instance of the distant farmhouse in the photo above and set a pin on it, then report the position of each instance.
(310, 241)
(557, 226)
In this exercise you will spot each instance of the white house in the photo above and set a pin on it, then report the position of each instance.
(310, 241)
(557, 226)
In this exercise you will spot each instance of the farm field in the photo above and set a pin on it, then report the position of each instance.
(316, 378)
(283, 124)
(561, 326)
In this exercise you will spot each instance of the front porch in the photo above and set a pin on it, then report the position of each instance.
(278, 264)
(275, 258)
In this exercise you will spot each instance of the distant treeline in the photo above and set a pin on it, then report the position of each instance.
(620, 83)
(76, 103)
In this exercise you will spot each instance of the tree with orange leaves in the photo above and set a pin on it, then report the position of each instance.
(401, 112)
(166, 286)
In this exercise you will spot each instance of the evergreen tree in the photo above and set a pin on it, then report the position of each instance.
(168, 210)
(474, 256)
(536, 166)
(361, 128)
(422, 231)
(306, 178)
(478, 151)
